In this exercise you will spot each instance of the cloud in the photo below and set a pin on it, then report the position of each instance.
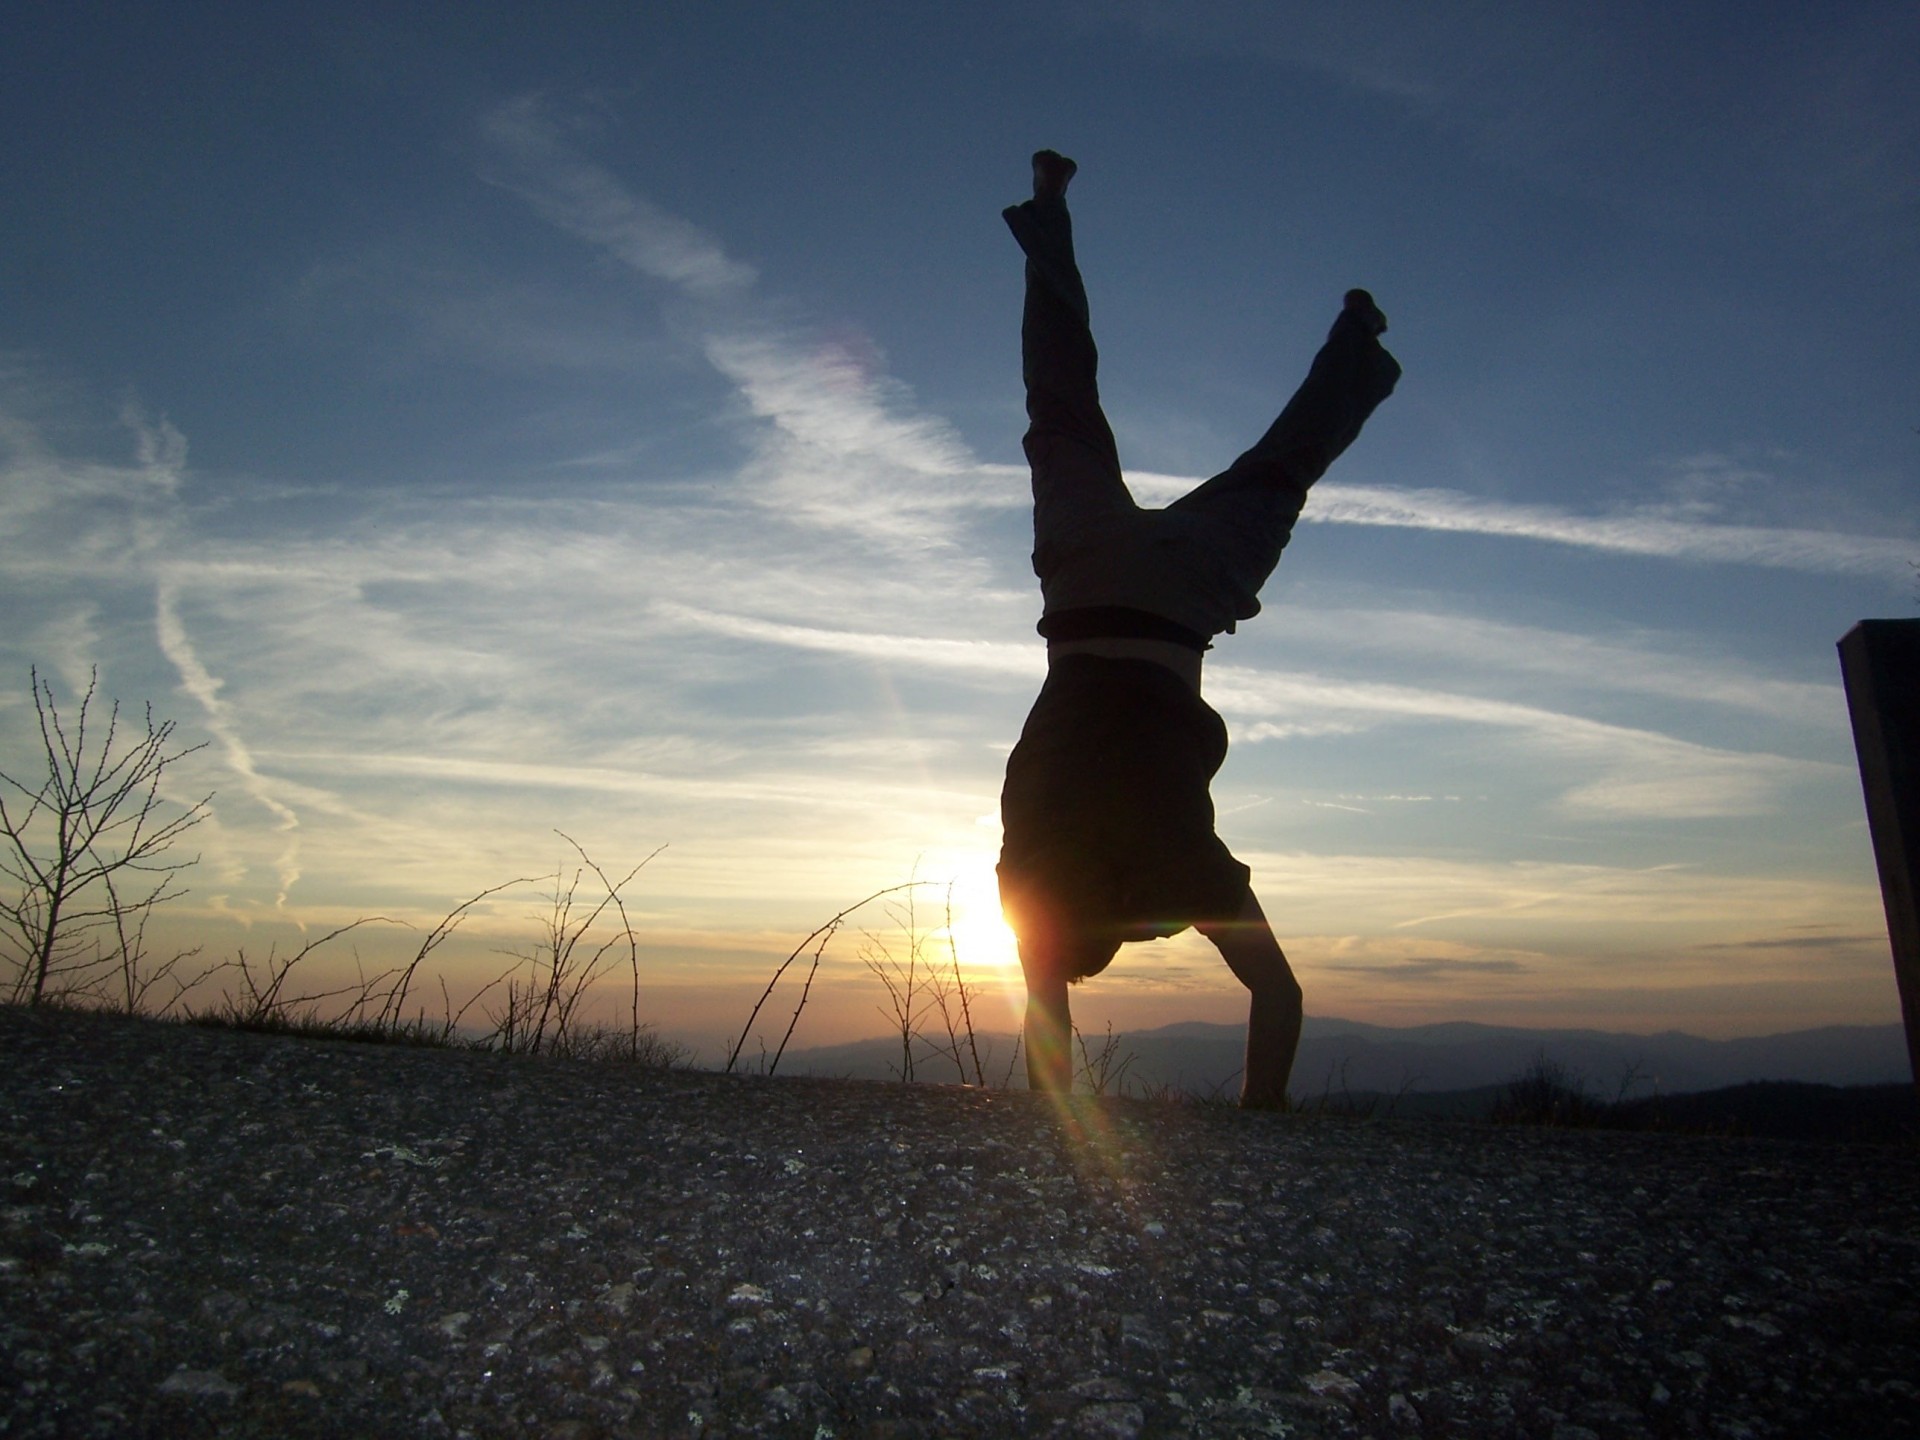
(993, 657)
(1552, 907)
(745, 785)
(201, 685)
(827, 400)
(840, 448)
(1639, 665)
(1431, 969)
(1660, 532)
(58, 513)
(1802, 942)
(531, 159)
(1641, 773)
(1651, 533)
(842, 452)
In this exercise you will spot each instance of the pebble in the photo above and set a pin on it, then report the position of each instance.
(210, 1383)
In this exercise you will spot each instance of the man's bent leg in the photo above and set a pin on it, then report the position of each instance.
(1274, 1014)
(1049, 1027)
(1352, 373)
(1350, 376)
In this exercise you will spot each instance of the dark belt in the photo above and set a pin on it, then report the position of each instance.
(1118, 622)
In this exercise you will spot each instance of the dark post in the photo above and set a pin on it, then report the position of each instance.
(1880, 662)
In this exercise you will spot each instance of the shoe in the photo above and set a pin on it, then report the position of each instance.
(1368, 316)
(1052, 172)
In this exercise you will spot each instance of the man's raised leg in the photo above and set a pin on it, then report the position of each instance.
(1069, 444)
(1274, 1013)
(1352, 373)
(1349, 377)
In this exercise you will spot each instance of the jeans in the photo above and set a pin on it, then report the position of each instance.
(1201, 561)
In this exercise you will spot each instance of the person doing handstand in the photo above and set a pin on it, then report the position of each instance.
(1108, 823)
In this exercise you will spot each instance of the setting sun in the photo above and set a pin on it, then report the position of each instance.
(979, 930)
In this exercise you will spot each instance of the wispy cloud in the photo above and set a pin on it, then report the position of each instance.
(1655, 531)
(59, 512)
(840, 446)
(1529, 654)
(1552, 905)
(1639, 772)
(1817, 941)
(1432, 969)
(1646, 533)
(198, 682)
(826, 399)
(993, 657)
(532, 159)
(1631, 772)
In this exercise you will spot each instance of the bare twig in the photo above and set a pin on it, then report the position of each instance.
(826, 930)
(806, 989)
(264, 1002)
(626, 925)
(396, 999)
(966, 999)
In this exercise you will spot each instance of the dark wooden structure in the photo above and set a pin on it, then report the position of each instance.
(1880, 662)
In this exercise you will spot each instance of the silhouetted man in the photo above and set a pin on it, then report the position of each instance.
(1108, 822)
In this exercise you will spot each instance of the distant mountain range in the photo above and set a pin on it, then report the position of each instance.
(1348, 1057)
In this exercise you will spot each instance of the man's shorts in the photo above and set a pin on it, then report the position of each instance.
(1108, 823)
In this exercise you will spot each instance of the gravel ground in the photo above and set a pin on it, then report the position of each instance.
(208, 1233)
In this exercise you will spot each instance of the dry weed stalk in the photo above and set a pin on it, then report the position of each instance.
(918, 988)
(539, 1013)
(264, 982)
(822, 935)
(947, 991)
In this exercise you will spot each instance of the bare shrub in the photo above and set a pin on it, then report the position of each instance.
(138, 976)
(920, 988)
(1104, 1068)
(904, 975)
(539, 1014)
(88, 850)
(394, 1003)
(543, 987)
(639, 1045)
(1547, 1093)
(261, 1000)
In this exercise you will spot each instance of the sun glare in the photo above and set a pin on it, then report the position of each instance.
(980, 932)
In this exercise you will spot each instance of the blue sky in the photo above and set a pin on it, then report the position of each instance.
(606, 418)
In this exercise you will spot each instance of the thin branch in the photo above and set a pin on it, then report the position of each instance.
(827, 929)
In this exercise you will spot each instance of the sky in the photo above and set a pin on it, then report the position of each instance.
(486, 425)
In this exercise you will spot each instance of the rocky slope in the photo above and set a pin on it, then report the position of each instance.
(218, 1234)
